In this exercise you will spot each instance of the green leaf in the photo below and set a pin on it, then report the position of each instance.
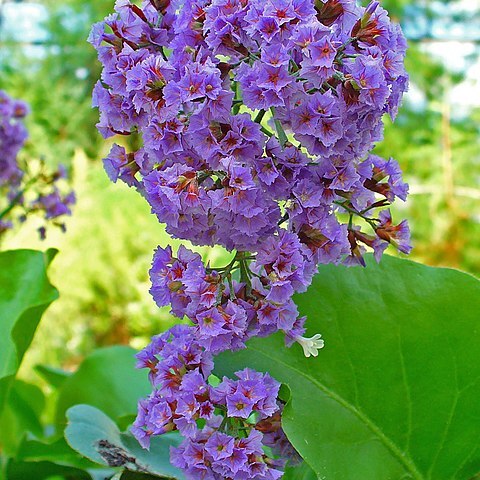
(21, 414)
(58, 452)
(55, 377)
(127, 475)
(301, 472)
(125, 421)
(86, 427)
(108, 380)
(96, 436)
(395, 392)
(43, 470)
(25, 293)
(157, 459)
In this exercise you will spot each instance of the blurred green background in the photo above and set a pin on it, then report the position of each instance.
(102, 268)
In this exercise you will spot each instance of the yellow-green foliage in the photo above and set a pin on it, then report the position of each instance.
(101, 270)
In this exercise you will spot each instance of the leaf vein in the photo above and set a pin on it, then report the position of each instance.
(407, 391)
(401, 457)
(451, 413)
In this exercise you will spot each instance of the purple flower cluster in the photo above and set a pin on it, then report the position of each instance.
(257, 119)
(21, 187)
(313, 80)
(240, 416)
(227, 311)
(13, 135)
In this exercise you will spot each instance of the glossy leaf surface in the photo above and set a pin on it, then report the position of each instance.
(394, 394)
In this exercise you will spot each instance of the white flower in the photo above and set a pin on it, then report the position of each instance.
(311, 346)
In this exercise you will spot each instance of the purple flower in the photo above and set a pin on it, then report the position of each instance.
(279, 184)
(22, 193)
(239, 405)
(219, 446)
(275, 55)
(367, 72)
(118, 165)
(322, 52)
(210, 323)
(398, 235)
(268, 27)
(281, 10)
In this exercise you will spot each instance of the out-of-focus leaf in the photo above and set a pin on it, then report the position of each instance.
(43, 470)
(25, 293)
(55, 377)
(127, 475)
(108, 380)
(21, 414)
(394, 394)
(58, 452)
(125, 421)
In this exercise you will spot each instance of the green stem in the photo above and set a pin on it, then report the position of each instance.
(283, 219)
(230, 284)
(17, 197)
(221, 428)
(282, 136)
(164, 55)
(3, 467)
(381, 203)
(244, 273)
(12, 205)
(358, 214)
(350, 222)
(266, 132)
(259, 117)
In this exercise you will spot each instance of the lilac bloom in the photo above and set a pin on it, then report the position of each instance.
(329, 130)
(238, 405)
(181, 74)
(398, 235)
(273, 78)
(268, 28)
(322, 52)
(219, 446)
(281, 10)
(118, 165)
(367, 72)
(275, 55)
(210, 323)
(233, 464)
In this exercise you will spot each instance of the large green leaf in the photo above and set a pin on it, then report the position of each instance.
(21, 414)
(395, 393)
(25, 293)
(53, 460)
(300, 472)
(96, 436)
(44, 471)
(108, 380)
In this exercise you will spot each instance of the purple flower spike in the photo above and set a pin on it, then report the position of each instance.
(257, 119)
